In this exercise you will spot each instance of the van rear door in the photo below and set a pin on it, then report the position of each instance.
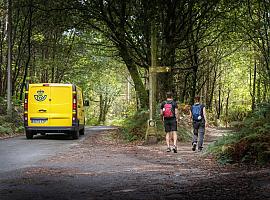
(61, 105)
(50, 105)
(38, 105)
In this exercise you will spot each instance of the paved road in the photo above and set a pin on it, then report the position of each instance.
(18, 152)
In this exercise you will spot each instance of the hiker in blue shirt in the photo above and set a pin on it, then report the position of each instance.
(199, 121)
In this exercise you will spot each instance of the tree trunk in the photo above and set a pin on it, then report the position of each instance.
(29, 49)
(227, 107)
(9, 61)
(259, 90)
(182, 97)
(139, 87)
(195, 66)
(219, 103)
(253, 95)
(209, 102)
(100, 108)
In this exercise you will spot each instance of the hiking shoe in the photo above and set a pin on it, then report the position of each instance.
(194, 146)
(200, 149)
(168, 149)
(174, 149)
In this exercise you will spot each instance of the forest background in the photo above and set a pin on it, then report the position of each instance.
(219, 50)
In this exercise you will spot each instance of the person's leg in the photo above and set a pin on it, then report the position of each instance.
(174, 133)
(195, 135)
(168, 138)
(167, 130)
(201, 137)
(174, 136)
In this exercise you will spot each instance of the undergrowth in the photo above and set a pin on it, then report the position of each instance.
(251, 144)
(10, 125)
(134, 128)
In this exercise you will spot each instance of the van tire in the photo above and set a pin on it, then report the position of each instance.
(82, 131)
(29, 134)
(75, 135)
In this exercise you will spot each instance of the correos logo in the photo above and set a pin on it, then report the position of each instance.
(40, 95)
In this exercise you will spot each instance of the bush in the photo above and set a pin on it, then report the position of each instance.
(238, 113)
(135, 126)
(249, 145)
(14, 124)
(6, 128)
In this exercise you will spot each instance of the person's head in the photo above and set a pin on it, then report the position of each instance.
(197, 99)
(169, 95)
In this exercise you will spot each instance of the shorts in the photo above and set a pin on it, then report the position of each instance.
(170, 125)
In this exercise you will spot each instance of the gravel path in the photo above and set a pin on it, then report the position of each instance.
(101, 168)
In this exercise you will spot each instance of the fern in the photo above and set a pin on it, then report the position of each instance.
(250, 144)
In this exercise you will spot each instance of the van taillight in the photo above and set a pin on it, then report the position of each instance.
(74, 107)
(26, 108)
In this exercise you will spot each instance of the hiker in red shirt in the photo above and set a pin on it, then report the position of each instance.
(169, 116)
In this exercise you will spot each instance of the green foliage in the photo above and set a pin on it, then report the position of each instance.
(93, 121)
(11, 125)
(237, 112)
(66, 45)
(6, 128)
(184, 133)
(134, 127)
(250, 144)
(19, 129)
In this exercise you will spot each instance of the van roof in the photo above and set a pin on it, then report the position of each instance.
(51, 84)
(75, 87)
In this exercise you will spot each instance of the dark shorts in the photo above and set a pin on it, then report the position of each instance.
(170, 125)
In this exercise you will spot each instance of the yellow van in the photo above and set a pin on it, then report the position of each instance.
(53, 108)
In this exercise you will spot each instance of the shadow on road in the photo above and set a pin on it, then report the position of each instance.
(53, 136)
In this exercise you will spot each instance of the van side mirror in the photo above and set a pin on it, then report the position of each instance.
(86, 103)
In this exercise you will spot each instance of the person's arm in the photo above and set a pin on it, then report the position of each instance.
(161, 112)
(190, 115)
(204, 115)
(176, 114)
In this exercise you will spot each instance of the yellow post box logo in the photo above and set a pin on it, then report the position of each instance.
(40, 96)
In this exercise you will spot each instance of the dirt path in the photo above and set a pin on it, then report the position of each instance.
(99, 168)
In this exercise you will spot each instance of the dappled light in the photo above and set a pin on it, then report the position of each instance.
(97, 74)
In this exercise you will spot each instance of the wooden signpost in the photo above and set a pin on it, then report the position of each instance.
(151, 132)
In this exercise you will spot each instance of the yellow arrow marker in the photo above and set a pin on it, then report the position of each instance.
(159, 69)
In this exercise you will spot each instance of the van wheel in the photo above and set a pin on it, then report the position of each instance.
(29, 134)
(82, 131)
(75, 135)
